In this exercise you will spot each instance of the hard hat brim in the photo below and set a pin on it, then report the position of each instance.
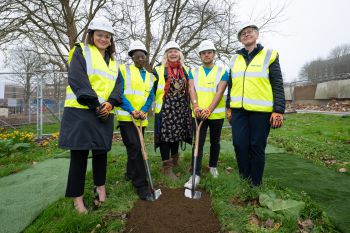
(132, 51)
(248, 26)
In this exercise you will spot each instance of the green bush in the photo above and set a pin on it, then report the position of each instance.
(9, 146)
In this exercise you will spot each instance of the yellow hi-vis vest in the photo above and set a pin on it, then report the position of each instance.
(160, 89)
(102, 77)
(135, 90)
(206, 87)
(251, 88)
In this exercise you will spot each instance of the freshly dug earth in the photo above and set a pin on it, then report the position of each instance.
(173, 212)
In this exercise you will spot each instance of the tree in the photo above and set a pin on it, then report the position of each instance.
(338, 63)
(25, 65)
(339, 51)
(52, 27)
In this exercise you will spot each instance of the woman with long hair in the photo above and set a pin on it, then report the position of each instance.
(87, 122)
(173, 113)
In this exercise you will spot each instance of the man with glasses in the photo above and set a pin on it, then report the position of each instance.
(255, 102)
(137, 94)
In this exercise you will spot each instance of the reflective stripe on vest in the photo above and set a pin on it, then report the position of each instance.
(160, 88)
(135, 90)
(251, 88)
(206, 94)
(101, 77)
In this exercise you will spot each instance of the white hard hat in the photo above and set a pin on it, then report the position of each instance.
(101, 23)
(172, 45)
(244, 26)
(206, 45)
(137, 45)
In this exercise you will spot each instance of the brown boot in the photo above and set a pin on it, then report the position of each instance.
(168, 169)
(175, 158)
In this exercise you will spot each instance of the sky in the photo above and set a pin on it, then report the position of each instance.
(308, 29)
(311, 29)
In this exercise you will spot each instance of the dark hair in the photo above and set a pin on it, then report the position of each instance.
(110, 49)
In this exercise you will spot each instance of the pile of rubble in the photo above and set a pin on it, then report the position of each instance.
(331, 106)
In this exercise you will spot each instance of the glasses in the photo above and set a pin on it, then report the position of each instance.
(247, 32)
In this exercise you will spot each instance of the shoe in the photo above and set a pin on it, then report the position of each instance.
(97, 201)
(144, 194)
(214, 172)
(80, 208)
(167, 169)
(188, 184)
(127, 177)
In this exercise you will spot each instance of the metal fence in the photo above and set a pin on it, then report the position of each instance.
(37, 98)
(32, 98)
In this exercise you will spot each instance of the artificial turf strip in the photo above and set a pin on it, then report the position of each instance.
(25, 194)
(331, 190)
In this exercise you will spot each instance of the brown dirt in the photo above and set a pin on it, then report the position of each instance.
(173, 212)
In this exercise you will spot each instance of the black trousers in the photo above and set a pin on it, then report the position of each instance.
(249, 135)
(168, 148)
(215, 127)
(135, 169)
(77, 171)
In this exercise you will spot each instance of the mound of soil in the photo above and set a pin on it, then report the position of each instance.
(173, 212)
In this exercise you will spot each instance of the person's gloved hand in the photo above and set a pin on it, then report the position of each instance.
(142, 115)
(135, 114)
(103, 110)
(205, 113)
(276, 120)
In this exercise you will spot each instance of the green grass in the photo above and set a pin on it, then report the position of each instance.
(317, 137)
(18, 161)
(61, 217)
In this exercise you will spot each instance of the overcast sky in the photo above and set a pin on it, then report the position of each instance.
(312, 28)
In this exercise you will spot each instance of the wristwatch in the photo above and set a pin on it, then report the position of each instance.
(194, 101)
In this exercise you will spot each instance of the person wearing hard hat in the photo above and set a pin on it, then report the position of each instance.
(137, 93)
(208, 83)
(172, 113)
(255, 102)
(87, 122)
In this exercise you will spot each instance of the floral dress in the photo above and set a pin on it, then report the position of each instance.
(176, 114)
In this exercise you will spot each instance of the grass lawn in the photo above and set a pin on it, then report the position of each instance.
(60, 216)
(322, 139)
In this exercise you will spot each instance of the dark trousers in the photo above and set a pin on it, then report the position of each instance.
(249, 135)
(135, 169)
(168, 148)
(77, 171)
(215, 127)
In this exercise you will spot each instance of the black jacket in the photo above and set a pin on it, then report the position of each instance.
(80, 128)
(79, 82)
(275, 76)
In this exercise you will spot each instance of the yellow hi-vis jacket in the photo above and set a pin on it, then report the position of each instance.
(251, 88)
(160, 88)
(135, 90)
(206, 87)
(102, 77)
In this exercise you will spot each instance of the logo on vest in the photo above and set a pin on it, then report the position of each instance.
(255, 65)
